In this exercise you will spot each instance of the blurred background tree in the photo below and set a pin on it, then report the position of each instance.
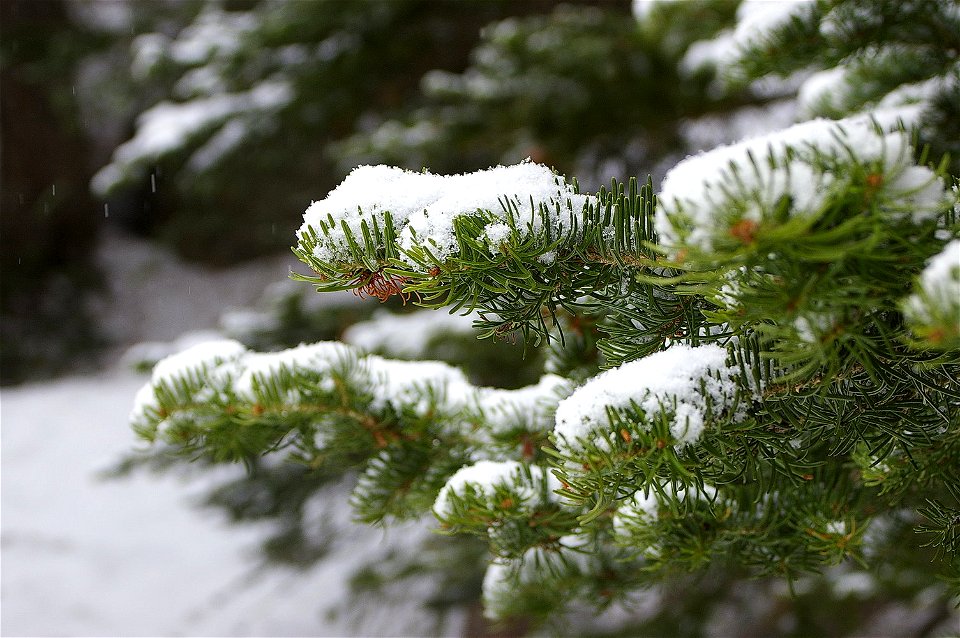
(247, 99)
(48, 217)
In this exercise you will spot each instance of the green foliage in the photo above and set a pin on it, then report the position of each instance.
(539, 269)
(769, 406)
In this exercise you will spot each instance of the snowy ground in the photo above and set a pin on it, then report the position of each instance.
(86, 556)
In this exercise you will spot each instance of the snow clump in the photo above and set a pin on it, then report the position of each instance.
(528, 486)
(505, 580)
(935, 305)
(757, 21)
(425, 384)
(169, 126)
(642, 509)
(678, 382)
(259, 367)
(204, 359)
(801, 163)
(531, 407)
(226, 366)
(423, 207)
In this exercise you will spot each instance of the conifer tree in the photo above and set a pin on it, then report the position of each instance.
(229, 91)
(773, 389)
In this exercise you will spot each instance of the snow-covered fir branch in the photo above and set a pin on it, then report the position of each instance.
(773, 328)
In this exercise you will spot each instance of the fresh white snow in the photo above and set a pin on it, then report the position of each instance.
(196, 358)
(642, 509)
(407, 335)
(643, 8)
(638, 509)
(756, 21)
(401, 382)
(255, 367)
(168, 126)
(665, 381)
(941, 278)
(939, 290)
(485, 477)
(423, 206)
(790, 163)
(532, 406)
(823, 91)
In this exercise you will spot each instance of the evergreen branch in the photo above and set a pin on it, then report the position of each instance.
(518, 265)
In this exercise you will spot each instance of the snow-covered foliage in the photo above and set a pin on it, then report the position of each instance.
(169, 126)
(642, 8)
(757, 22)
(934, 309)
(505, 577)
(634, 523)
(742, 329)
(239, 374)
(526, 198)
(682, 385)
(208, 359)
(735, 192)
(673, 420)
(499, 484)
(533, 405)
(208, 112)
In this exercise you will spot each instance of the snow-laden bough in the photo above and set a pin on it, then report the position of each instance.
(682, 384)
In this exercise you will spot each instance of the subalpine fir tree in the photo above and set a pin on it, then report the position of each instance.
(779, 326)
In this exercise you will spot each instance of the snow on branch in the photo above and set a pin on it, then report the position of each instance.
(730, 194)
(533, 405)
(685, 385)
(634, 523)
(422, 208)
(934, 309)
(757, 22)
(318, 391)
(527, 486)
(169, 126)
(514, 243)
(204, 359)
(225, 372)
